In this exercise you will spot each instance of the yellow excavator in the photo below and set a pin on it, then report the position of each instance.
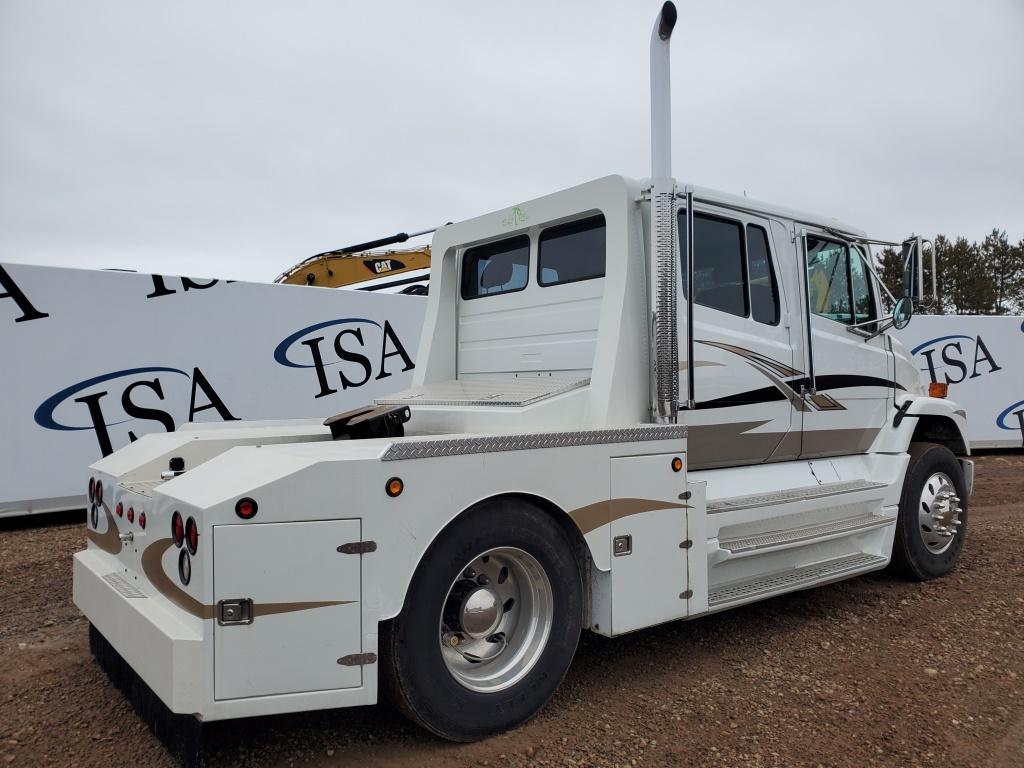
(360, 267)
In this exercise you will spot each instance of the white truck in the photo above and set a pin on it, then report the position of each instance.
(583, 449)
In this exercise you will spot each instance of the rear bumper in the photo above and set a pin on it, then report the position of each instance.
(164, 651)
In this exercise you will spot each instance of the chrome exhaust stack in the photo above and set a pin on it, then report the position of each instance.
(665, 340)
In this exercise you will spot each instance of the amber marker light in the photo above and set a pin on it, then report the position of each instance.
(677, 464)
(938, 389)
(394, 486)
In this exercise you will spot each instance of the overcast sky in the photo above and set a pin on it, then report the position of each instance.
(232, 139)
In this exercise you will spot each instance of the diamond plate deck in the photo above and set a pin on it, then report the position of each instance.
(506, 391)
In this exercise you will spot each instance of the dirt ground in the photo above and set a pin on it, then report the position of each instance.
(868, 672)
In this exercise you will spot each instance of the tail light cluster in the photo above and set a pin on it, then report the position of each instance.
(96, 501)
(185, 536)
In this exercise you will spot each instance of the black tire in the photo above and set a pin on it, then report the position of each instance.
(414, 676)
(911, 558)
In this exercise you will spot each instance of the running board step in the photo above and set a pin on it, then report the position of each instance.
(799, 578)
(806, 493)
(774, 539)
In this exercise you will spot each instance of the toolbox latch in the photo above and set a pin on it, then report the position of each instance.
(237, 611)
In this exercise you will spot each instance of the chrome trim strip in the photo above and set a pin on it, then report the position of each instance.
(459, 446)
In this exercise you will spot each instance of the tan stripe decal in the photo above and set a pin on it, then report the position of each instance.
(600, 513)
(683, 365)
(109, 540)
(153, 568)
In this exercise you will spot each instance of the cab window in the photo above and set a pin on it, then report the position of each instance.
(572, 252)
(838, 282)
(764, 291)
(496, 268)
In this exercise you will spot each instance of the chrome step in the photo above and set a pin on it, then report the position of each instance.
(805, 493)
(772, 539)
(798, 578)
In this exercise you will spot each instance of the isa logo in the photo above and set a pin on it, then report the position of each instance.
(956, 358)
(118, 404)
(345, 353)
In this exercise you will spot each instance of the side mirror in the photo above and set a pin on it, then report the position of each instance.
(909, 259)
(902, 312)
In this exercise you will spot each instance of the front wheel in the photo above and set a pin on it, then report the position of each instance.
(490, 623)
(932, 520)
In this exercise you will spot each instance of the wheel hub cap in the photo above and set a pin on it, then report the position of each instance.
(939, 513)
(481, 613)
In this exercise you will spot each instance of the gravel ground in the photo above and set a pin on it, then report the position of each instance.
(868, 672)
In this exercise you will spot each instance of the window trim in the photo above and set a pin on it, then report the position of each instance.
(580, 225)
(495, 244)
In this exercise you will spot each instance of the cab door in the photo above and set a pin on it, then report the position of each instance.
(742, 405)
(848, 389)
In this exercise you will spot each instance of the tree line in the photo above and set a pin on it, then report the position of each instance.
(985, 278)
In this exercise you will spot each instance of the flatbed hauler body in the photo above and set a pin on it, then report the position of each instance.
(582, 449)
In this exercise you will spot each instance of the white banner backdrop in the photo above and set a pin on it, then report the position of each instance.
(92, 360)
(982, 360)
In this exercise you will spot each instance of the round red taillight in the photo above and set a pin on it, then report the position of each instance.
(246, 508)
(142, 520)
(131, 514)
(119, 509)
(92, 489)
(191, 535)
(177, 529)
(99, 492)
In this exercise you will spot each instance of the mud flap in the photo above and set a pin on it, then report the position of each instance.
(182, 735)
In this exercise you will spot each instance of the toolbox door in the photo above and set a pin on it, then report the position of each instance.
(649, 541)
(305, 612)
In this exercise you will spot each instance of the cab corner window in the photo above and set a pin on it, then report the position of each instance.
(764, 291)
(572, 252)
(495, 268)
(860, 285)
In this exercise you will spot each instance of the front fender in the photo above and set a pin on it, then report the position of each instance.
(930, 419)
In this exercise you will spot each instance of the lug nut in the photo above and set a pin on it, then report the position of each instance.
(482, 580)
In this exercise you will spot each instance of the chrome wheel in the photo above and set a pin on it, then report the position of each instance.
(496, 619)
(939, 513)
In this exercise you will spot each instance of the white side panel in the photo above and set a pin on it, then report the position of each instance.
(649, 584)
(540, 328)
(982, 360)
(293, 644)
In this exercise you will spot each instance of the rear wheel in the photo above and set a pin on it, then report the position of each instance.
(933, 514)
(490, 623)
